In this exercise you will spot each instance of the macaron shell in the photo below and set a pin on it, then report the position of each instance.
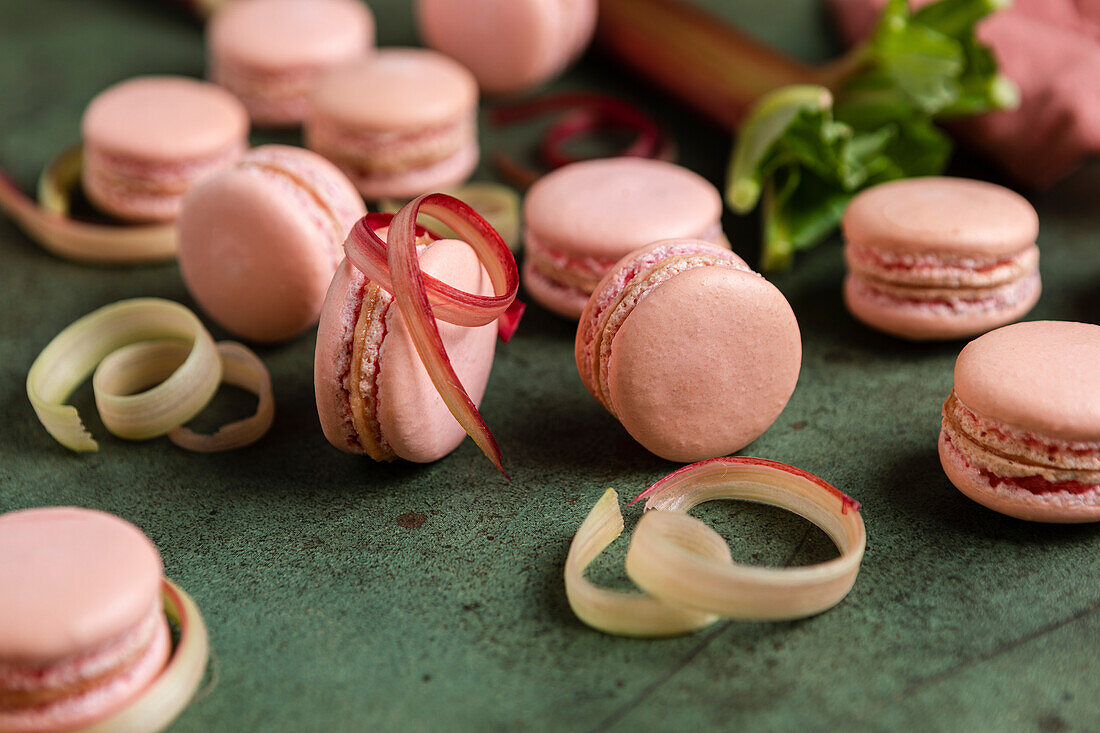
(921, 322)
(396, 89)
(509, 45)
(1041, 376)
(277, 35)
(705, 363)
(414, 419)
(94, 577)
(332, 356)
(1067, 509)
(164, 118)
(941, 214)
(609, 207)
(253, 258)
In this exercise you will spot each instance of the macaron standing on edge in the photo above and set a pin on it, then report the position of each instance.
(270, 53)
(693, 352)
(509, 45)
(260, 241)
(374, 395)
(582, 218)
(1021, 427)
(147, 140)
(84, 630)
(940, 258)
(400, 124)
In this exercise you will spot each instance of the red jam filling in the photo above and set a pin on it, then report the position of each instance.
(1037, 484)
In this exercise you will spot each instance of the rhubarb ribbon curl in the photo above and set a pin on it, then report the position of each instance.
(394, 265)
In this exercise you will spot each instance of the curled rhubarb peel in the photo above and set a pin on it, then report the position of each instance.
(145, 363)
(155, 368)
(586, 113)
(73, 354)
(49, 224)
(627, 613)
(240, 368)
(496, 203)
(737, 591)
(169, 694)
(394, 265)
(684, 568)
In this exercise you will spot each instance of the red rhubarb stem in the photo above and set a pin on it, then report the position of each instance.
(708, 63)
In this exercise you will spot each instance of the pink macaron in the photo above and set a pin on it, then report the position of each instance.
(400, 124)
(583, 218)
(692, 351)
(374, 395)
(148, 140)
(270, 53)
(259, 241)
(1021, 427)
(509, 45)
(83, 630)
(940, 258)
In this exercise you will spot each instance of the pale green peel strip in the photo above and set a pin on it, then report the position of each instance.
(73, 354)
(241, 368)
(146, 363)
(622, 612)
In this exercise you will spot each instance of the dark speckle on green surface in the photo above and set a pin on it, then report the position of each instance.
(412, 520)
(329, 611)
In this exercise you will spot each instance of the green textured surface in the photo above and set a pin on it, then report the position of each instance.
(344, 595)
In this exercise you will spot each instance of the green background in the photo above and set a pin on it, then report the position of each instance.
(344, 595)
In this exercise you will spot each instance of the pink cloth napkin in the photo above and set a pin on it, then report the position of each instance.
(1051, 49)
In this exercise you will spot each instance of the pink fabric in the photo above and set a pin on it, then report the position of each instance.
(1051, 49)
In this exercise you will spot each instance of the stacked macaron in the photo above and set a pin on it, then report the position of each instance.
(692, 351)
(509, 45)
(83, 631)
(399, 124)
(1021, 427)
(270, 53)
(374, 395)
(259, 241)
(148, 140)
(940, 258)
(582, 218)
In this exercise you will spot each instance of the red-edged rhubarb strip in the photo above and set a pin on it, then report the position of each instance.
(716, 471)
(394, 265)
(83, 241)
(587, 113)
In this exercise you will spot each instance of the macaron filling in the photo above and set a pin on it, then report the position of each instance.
(578, 272)
(369, 152)
(1028, 488)
(948, 301)
(125, 185)
(627, 288)
(939, 269)
(275, 95)
(361, 380)
(36, 684)
(1016, 459)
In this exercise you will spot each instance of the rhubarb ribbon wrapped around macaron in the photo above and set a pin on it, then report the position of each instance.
(393, 264)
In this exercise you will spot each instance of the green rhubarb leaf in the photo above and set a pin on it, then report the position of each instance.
(804, 151)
